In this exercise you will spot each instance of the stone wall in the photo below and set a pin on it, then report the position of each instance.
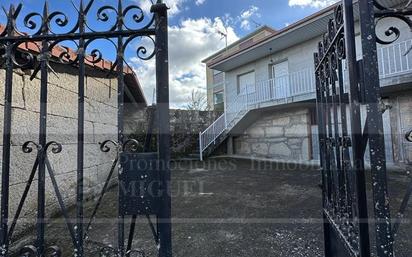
(185, 127)
(281, 135)
(100, 124)
(401, 123)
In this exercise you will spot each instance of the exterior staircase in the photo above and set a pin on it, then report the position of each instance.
(270, 92)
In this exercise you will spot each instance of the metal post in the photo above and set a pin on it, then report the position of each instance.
(384, 236)
(80, 138)
(120, 119)
(200, 146)
(162, 88)
(42, 139)
(356, 130)
(5, 174)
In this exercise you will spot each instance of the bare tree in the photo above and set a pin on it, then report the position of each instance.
(197, 101)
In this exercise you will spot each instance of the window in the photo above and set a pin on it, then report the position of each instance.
(246, 83)
(218, 97)
(280, 76)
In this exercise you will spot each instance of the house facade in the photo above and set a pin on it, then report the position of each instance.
(215, 79)
(270, 95)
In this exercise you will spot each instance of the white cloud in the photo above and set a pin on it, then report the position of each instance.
(189, 42)
(200, 2)
(312, 3)
(249, 12)
(246, 16)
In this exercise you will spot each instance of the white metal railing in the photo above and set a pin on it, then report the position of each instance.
(210, 135)
(394, 59)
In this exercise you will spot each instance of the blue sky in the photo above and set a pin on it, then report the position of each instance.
(193, 33)
(276, 13)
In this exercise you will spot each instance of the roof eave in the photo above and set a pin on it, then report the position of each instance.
(299, 24)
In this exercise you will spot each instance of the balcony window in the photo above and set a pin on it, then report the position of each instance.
(280, 76)
(218, 97)
(246, 82)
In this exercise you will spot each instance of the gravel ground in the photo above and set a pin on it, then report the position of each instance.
(234, 208)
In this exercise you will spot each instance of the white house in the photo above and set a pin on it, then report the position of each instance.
(270, 101)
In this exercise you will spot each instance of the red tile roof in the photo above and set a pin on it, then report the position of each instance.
(103, 64)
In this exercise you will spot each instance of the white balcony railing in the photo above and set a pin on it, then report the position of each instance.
(394, 60)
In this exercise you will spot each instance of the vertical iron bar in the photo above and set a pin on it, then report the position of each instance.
(355, 117)
(5, 175)
(162, 87)
(338, 141)
(323, 160)
(120, 114)
(346, 165)
(331, 163)
(40, 244)
(384, 235)
(330, 141)
(80, 136)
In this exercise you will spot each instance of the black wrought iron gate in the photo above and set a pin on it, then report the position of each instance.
(157, 174)
(343, 139)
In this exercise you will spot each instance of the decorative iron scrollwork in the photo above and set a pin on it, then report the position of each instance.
(392, 33)
(105, 148)
(408, 136)
(53, 251)
(55, 147)
(28, 251)
(41, 25)
(131, 145)
(27, 148)
(331, 49)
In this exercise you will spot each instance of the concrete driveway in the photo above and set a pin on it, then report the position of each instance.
(235, 208)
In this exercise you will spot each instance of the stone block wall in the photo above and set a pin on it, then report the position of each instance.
(185, 126)
(401, 123)
(281, 135)
(100, 124)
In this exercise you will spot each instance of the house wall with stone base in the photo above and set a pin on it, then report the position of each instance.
(281, 135)
(100, 125)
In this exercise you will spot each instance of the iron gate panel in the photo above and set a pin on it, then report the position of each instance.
(16, 47)
(139, 184)
(343, 142)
